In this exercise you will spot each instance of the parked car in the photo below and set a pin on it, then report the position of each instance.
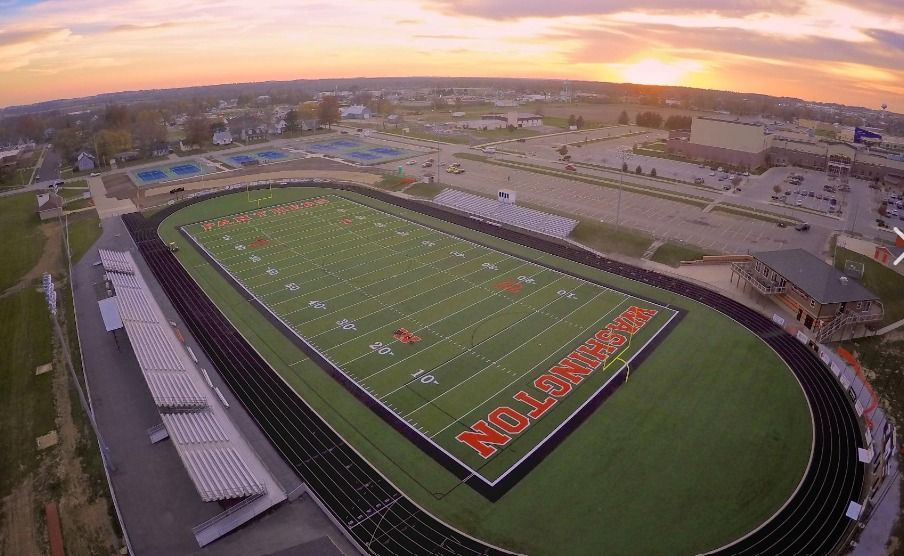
(802, 227)
(95, 174)
(176, 190)
(698, 181)
(570, 168)
(712, 173)
(811, 194)
(411, 162)
(799, 202)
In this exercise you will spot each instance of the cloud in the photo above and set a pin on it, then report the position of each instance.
(444, 37)
(18, 47)
(130, 27)
(887, 38)
(519, 9)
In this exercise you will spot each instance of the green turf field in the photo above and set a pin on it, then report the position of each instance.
(482, 353)
(706, 440)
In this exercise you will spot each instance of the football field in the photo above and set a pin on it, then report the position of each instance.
(483, 359)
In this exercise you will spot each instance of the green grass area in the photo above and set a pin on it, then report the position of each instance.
(756, 214)
(78, 204)
(84, 229)
(693, 200)
(695, 447)
(73, 190)
(419, 134)
(503, 134)
(881, 280)
(425, 190)
(26, 400)
(607, 238)
(673, 253)
(395, 182)
(23, 239)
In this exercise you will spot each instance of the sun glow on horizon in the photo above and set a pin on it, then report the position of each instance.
(654, 71)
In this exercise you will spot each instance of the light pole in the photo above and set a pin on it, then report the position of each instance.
(625, 156)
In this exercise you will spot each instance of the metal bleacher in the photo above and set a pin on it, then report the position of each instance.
(522, 217)
(216, 468)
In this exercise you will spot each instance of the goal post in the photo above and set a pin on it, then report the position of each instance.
(854, 269)
(255, 193)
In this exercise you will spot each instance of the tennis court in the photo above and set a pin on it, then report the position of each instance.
(168, 172)
(247, 158)
(480, 357)
(357, 150)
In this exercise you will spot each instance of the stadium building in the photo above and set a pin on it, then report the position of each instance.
(755, 145)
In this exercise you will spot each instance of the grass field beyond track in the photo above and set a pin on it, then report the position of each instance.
(708, 438)
(481, 353)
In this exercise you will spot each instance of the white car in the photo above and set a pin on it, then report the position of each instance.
(411, 162)
(799, 202)
(95, 174)
(712, 173)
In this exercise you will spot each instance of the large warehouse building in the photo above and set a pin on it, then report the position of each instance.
(754, 145)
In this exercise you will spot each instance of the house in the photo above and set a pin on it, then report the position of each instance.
(515, 119)
(278, 128)
(84, 162)
(356, 112)
(160, 149)
(50, 205)
(821, 297)
(222, 137)
(255, 133)
(310, 125)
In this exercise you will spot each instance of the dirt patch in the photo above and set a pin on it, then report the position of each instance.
(19, 533)
(51, 258)
(86, 524)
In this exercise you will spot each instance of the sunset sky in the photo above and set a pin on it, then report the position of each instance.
(849, 51)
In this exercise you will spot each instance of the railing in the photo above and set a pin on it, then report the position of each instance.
(837, 324)
(754, 280)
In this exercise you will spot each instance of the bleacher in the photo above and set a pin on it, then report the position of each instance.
(115, 261)
(193, 428)
(514, 215)
(216, 468)
(220, 474)
(173, 390)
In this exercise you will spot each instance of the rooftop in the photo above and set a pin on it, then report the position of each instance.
(821, 281)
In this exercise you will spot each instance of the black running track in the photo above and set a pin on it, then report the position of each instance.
(386, 522)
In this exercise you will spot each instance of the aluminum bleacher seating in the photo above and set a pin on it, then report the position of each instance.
(152, 348)
(193, 428)
(134, 306)
(220, 474)
(522, 217)
(115, 261)
(174, 390)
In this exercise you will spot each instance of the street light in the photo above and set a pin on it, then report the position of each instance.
(625, 156)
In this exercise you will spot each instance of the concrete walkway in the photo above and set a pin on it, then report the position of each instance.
(107, 206)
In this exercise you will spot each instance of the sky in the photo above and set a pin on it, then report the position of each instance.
(846, 51)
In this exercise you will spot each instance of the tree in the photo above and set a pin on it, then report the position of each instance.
(67, 142)
(245, 99)
(678, 122)
(638, 170)
(571, 120)
(648, 119)
(777, 189)
(328, 110)
(579, 122)
(623, 118)
(653, 173)
(563, 150)
(197, 131)
(116, 116)
(111, 142)
(624, 166)
(148, 128)
(510, 128)
(292, 120)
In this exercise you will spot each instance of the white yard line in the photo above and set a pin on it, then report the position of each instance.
(606, 315)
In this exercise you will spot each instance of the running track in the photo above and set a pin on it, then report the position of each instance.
(386, 522)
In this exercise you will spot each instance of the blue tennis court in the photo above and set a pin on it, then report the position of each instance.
(151, 175)
(241, 158)
(167, 172)
(363, 155)
(356, 150)
(271, 155)
(185, 169)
